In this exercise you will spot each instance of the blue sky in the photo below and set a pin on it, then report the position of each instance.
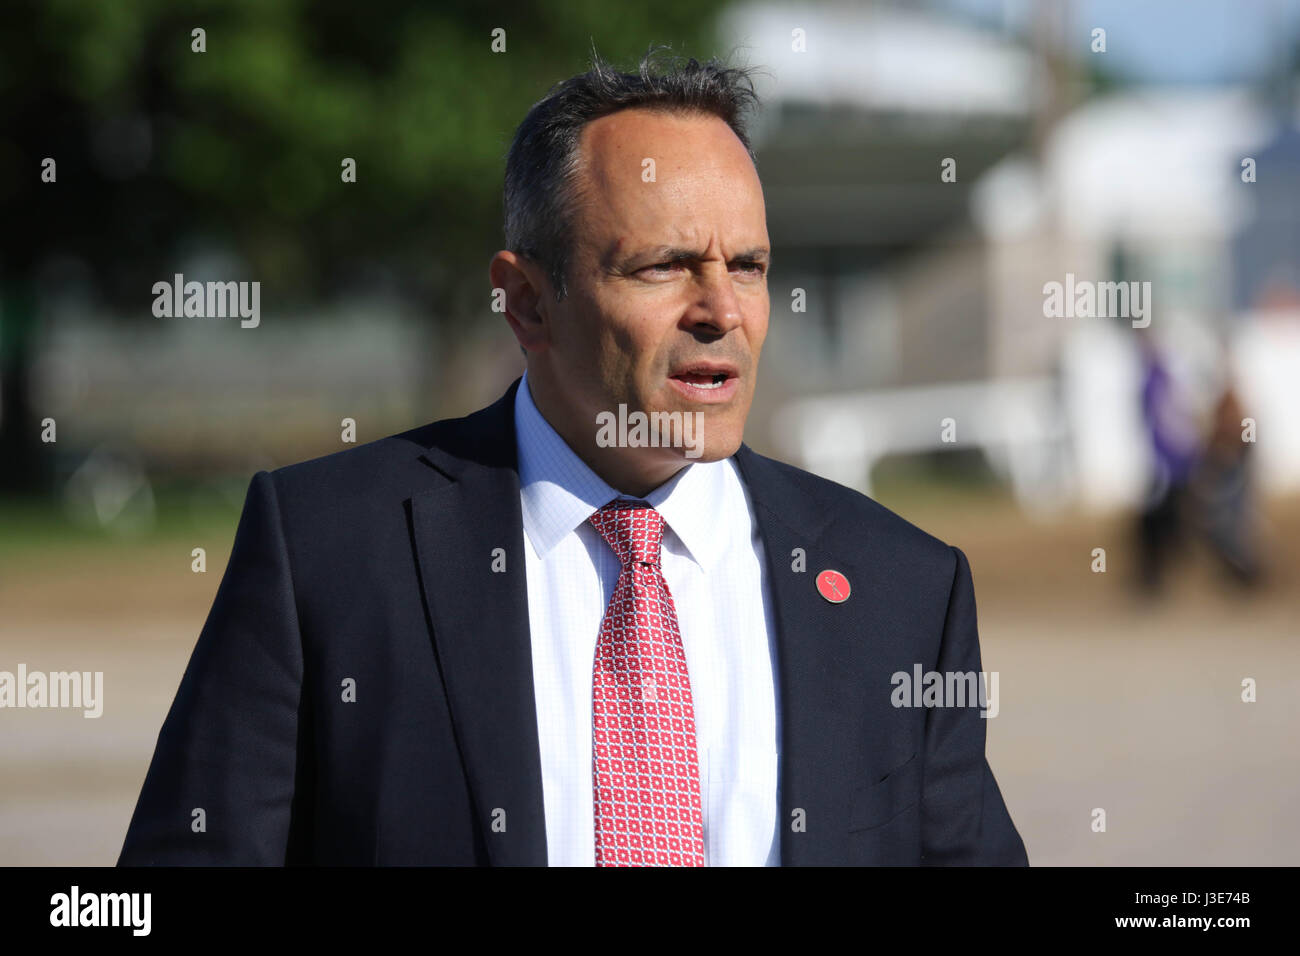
(1170, 41)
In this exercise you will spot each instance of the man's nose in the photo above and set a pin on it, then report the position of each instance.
(717, 307)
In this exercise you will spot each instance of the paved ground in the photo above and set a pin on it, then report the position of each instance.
(1105, 701)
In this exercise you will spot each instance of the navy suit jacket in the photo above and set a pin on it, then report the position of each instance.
(372, 569)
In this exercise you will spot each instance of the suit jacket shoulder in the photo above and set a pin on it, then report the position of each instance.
(846, 520)
(339, 501)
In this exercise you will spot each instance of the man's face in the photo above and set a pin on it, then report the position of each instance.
(667, 282)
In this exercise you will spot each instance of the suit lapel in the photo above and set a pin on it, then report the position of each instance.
(816, 664)
(480, 624)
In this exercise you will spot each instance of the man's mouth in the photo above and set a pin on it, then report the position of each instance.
(702, 380)
(707, 382)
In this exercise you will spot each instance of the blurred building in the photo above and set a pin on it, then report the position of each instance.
(925, 297)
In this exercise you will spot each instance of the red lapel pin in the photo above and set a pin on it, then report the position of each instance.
(833, 586)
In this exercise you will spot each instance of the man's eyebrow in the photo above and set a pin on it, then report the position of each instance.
(655, 254)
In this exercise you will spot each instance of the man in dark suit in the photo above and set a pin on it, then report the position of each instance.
(554, 632)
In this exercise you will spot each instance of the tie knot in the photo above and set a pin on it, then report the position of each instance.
(633, 530)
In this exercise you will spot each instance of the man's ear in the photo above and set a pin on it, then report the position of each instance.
(526, 303)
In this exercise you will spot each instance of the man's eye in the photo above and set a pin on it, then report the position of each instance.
(664, 268)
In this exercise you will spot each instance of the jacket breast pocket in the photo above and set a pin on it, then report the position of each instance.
(878, 803)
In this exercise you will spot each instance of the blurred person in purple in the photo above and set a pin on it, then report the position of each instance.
(1172, 432)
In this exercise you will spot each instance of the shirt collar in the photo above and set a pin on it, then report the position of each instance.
(558, 491)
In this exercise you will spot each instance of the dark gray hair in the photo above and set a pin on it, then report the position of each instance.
(543, 160)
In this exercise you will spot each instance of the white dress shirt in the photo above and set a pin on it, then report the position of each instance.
(712, 558)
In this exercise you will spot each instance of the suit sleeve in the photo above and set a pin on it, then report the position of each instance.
(964, 820)
(223, 788)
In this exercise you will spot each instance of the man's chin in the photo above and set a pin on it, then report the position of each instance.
(672, 431)
(713, 450)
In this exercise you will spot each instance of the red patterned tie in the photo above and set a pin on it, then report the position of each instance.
(644, 765)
